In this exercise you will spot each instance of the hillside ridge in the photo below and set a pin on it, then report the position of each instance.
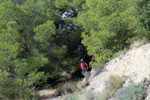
(134, 66)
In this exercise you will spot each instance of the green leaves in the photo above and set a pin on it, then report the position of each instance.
(45, 32)
(143, 13)
(4, 84)
(108, 24)
(19, 57)
(9, 47)
(61, 4)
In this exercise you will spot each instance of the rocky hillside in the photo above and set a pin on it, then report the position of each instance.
(133, 66)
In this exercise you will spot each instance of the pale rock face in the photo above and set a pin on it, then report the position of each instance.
(135, 65)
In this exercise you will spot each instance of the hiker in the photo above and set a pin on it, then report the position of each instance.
(83, 66)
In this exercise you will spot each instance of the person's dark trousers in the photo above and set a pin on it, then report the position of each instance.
(82, 74)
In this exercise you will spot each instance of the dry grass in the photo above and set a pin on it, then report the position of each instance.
(115, 82)
(66, 87)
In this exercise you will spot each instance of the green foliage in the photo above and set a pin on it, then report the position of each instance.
(105, 95)
(115, 82)
(108, 24)
(73, 96)
(143, 12)
(91, 95)
(4, 85)
(45, 32)
(34, 46)
(132, 92)
(32, 42)
(67, 4)
(125, 50)
(143, 8)
(61, 4)
(88, 95)
(30, 98)
(112, 85)
(19, 87)
(45, 36)
(19, 61)
(66, 87)
(42, 38)
(117, 54)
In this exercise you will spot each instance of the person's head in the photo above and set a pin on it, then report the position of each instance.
(81, 60)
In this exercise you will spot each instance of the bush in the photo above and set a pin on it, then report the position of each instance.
(29, 97)
(65, 88)
(88, 95)
(114, 55)
(18, 88)
(132, 92)
(73, 96)
(105, 95)
(115, 82)
(5, 85)
(91, 95)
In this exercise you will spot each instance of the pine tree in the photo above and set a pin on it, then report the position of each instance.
(20, 60)
(108, 25)
(38, 40)
(143, 13)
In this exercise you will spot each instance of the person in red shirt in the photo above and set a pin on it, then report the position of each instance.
(83, 66)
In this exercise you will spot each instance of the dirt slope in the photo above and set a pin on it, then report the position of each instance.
(134, 65)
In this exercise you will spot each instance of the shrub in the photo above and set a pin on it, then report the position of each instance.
(132, 92)
(105, 95)
(35, 97)
(125, 50)
(115, 82)
(73, 96)
(116, 54)
(91, 95)
(13, 88)
(65, 88)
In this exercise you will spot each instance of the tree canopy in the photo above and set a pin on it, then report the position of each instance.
(108, 25)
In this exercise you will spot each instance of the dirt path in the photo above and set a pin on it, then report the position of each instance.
(48, 94)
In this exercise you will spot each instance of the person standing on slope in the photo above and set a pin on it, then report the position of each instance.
(83, 66)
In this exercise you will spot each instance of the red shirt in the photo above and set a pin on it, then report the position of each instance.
(83, 65)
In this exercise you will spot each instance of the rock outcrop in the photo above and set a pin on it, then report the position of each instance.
(134, 66)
